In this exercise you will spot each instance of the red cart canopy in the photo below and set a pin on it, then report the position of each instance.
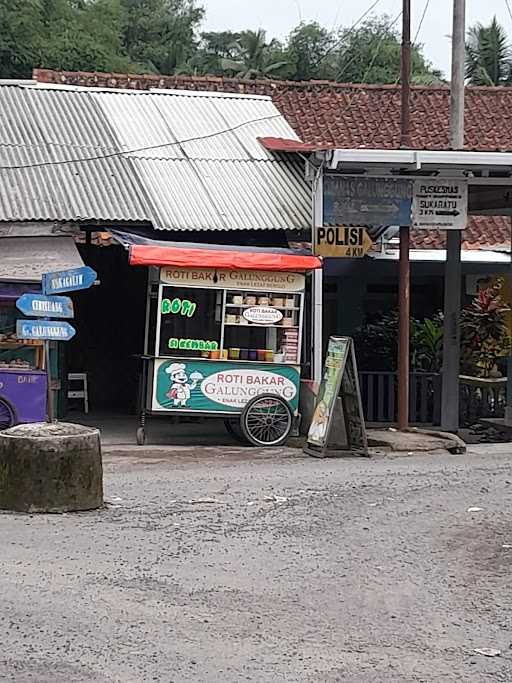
(187, 257)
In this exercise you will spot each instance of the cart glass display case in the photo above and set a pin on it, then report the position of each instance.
(217, 339)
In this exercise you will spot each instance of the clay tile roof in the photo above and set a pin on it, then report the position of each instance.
(348, 115)
(482, 232)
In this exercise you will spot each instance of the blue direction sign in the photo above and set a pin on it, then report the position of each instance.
(42, 306)
(48, 330)
(352, 201)
(68, 280)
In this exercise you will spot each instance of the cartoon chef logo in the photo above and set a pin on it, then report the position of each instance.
(181, 384)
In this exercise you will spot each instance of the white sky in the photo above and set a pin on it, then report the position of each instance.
(278, 17)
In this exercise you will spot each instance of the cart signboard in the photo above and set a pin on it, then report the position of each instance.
(263, 315)
(47, 330)
(342, 242)
(71, 280)
(222, 278)
(42, 306)
(339, 378)
(219, 387)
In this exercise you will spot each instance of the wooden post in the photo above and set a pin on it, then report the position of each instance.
(404, 265)
(453, 271)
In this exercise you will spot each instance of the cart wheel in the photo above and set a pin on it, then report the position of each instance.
(6, 415)
(266, 420)
(141, 436)
(233, 429)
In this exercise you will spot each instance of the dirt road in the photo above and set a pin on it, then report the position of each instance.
(226, 567)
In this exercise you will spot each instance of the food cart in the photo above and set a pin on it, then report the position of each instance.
(224, 338)
(23, 381)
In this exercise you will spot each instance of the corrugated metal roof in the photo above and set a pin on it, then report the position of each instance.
(223, 179)
(220, 195)
(25, 259)
(38, 126)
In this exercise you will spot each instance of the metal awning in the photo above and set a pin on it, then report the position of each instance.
(145, 255)
(419, 160)
(25, 259)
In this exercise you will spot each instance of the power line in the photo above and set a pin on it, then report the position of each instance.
(98, 157)
(375, 54)
(348, 32)
(425, 9)
(507, 3)
(414, 44)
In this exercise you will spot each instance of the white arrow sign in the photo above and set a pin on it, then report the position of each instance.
(440, 203)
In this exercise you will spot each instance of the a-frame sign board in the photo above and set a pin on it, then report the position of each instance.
(339, 378)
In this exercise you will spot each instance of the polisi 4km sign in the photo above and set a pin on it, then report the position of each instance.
(342, 242)
(440, 203)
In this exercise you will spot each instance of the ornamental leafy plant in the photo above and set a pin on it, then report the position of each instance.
(485, 337)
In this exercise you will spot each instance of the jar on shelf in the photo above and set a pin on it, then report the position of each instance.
(278, 302)
(250, 300)
(263, 301)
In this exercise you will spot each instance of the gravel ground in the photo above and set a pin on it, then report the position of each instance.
(238, 565)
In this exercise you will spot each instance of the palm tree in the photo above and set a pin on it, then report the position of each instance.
(256, 58)
(488, 55)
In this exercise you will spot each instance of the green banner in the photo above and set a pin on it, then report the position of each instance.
(220, 386)
(334, 367)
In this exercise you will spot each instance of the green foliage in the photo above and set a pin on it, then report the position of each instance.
(254, 57)
(371, 54)
(161, 36)
(21, 28)
(488, 55)
(377, 343)
(427, 344)
(484, 333)
(309, 49)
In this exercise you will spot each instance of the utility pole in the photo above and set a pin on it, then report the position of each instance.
(404, 289)
(453, 271)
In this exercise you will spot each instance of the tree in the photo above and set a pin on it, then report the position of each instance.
(20, 32)
(255, 58)
(488, 55)
(308, 49)
(160, 35)
(83, 35)
(214, 47)
(371, 54)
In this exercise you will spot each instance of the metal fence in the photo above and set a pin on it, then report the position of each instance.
(379, 396)
(478, 397)
(481, 398)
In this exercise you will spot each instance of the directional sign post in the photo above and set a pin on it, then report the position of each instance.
(440, 203)
(46, 306)
(341, 242)
(43, 306)
(68, 280)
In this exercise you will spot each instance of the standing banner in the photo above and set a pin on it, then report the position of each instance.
(339, 378)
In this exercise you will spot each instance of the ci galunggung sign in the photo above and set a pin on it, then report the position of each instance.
(45, 330)
(431, 202)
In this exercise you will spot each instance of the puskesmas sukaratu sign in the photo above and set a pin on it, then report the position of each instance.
(219, 387)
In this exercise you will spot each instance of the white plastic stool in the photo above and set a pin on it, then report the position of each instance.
(79, 393)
